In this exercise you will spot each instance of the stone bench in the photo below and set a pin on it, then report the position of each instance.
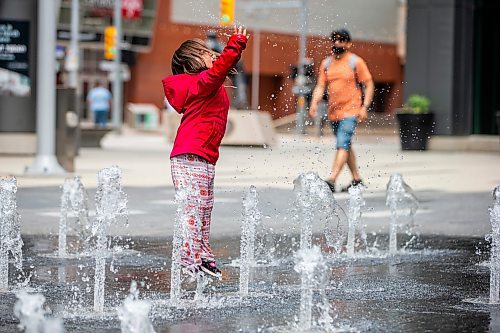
(244, 128)
(91, 136)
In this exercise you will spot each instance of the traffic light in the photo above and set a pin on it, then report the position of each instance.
(109, 42)
(226, 12)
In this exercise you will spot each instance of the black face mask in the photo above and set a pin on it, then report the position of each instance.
(338, 50)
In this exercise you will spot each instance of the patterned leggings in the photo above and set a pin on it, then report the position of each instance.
(196, 172)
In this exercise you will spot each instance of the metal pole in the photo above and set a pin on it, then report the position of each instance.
(117, 75)
(256, 69)
(76, 61)
(57, 9)
(303, 37)
(74, 51)
(45, 162)
(301, 79)
(252, 6)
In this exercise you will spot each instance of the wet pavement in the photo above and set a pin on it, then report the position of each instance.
(152, 210)
(420, 289)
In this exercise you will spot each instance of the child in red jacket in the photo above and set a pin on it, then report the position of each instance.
(196, 91)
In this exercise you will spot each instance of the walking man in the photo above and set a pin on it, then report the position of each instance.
(99, 101)
(350, 89)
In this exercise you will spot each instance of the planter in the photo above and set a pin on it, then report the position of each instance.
(414, 130)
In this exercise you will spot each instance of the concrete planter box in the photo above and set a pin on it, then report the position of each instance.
(91, 137)
(244, 128)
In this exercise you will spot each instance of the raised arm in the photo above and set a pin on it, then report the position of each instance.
(211, 79)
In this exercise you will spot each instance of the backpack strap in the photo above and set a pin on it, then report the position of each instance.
(353, 59)
(327, 62)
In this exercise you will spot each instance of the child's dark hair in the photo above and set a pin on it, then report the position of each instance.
(187, 58)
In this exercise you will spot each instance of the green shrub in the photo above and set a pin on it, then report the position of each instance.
(417, 104)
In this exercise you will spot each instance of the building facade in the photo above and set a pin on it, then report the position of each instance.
(375, 40)
(453, 51)
(150, 41)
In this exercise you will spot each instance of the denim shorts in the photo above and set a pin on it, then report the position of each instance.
(344, 130)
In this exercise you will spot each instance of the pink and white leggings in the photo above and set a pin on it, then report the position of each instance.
(192, 171)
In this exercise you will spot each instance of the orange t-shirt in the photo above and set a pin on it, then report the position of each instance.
(344, 96)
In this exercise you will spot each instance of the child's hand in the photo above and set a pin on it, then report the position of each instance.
(241, 31)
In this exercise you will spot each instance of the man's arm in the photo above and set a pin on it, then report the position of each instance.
(369, 92)
(318, 92)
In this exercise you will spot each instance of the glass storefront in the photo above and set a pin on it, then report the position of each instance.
(95, 15)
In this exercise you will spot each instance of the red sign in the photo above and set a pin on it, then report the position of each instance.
(132, 9)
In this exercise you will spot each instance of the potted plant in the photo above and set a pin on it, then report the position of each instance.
(415, 123)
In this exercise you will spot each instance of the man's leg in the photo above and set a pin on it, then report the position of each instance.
(344, 130)
(96, 118)
(104, 119)
(340, 160)
(100, 118)
(351, 160)
(352, 164)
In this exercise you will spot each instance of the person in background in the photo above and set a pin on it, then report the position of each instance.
(350, 89)
(99, 102)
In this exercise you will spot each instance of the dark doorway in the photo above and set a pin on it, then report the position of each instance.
(486, 66)
(381, 98)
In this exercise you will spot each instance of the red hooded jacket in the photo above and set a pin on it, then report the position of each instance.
(202, 100)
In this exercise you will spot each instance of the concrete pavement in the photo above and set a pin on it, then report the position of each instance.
(453, 187)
